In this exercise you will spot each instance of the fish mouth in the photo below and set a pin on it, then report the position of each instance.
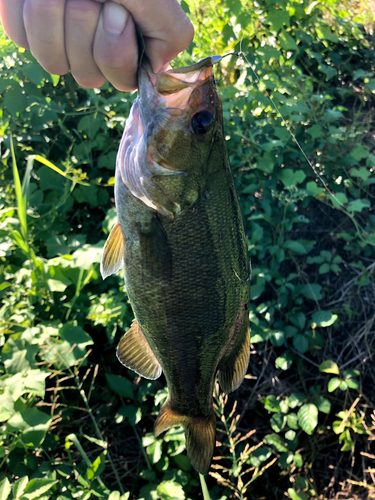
(172, 88)
(165, 105)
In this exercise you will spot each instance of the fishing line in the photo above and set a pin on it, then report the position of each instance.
(243, 55)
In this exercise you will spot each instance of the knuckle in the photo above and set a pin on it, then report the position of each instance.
(83, 11)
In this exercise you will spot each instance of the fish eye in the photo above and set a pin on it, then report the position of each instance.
(201, 121)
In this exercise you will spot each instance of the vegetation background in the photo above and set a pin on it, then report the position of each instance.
(74, 423)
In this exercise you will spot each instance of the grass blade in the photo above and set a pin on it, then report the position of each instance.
(21, 201)
(206, 495)
(49, 164)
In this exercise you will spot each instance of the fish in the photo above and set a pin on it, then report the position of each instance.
(180, 238)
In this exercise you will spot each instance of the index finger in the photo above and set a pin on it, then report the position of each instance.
(11, 13)
(166, 29)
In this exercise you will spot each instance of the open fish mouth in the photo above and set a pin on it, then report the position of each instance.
(175, 93)
(172, 88)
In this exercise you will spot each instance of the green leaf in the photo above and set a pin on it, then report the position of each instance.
(348, 374)
(37, 487)
(324, 268)
(285, 361)
(308, 417)
(266, 163)
(148, 492)
(297, 496)
(343, 385)
(15, 101)
(271, 403)
(333, 384)
(347, 440)
(277, 338)
(301, 343)
(99, 442)
(70, 349)
(19, 487)
(5, 489)
(295, 247)
(312, 188)
(120, 385)
(338, 199)
(35, 73)
(276, 441)
(325, 33)
(277, 18)
(183, 462)
(323, 318)
(298, 460)
(115, 495)
(327, 70)
(30, 382)
(299, 320)
(292, 421)
(359, 152)
(290, 435)
(18, 355)
(96, 468)
(155, 451)
(32, 424)
(278, 421)
(258, 456)
(363, 173)
(296, 399)
(291, 177)
(358, 205)
(312, 291)
(54, 79)
(315, 132)
(301, 483)
(6, 406)
(129, 412)
(170, 490)
(287, 42)
(323, 404)
(329, 366)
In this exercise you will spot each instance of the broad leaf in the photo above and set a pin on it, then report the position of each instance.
(308, 417)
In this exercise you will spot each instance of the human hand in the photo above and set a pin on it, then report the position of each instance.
(96, 39)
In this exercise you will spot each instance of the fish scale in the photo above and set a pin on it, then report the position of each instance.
(184, 252)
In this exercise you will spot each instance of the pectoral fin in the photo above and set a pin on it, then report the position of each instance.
(234, 370)
(113, 252)
(135, 353)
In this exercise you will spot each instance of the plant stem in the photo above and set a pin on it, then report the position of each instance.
(98, 433)
(205, 493)
(142, 448)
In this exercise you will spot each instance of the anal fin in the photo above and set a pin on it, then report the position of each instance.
(200, 435)
(232, 373)
(113, 252)
(135, 353)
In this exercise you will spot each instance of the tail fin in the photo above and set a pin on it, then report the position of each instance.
(200, 435)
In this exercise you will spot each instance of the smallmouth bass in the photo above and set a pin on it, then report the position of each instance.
(181, 240)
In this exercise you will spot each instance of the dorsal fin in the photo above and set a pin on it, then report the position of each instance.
(113, 252)
(135, 353)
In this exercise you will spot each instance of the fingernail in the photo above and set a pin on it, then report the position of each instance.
(114, 18)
